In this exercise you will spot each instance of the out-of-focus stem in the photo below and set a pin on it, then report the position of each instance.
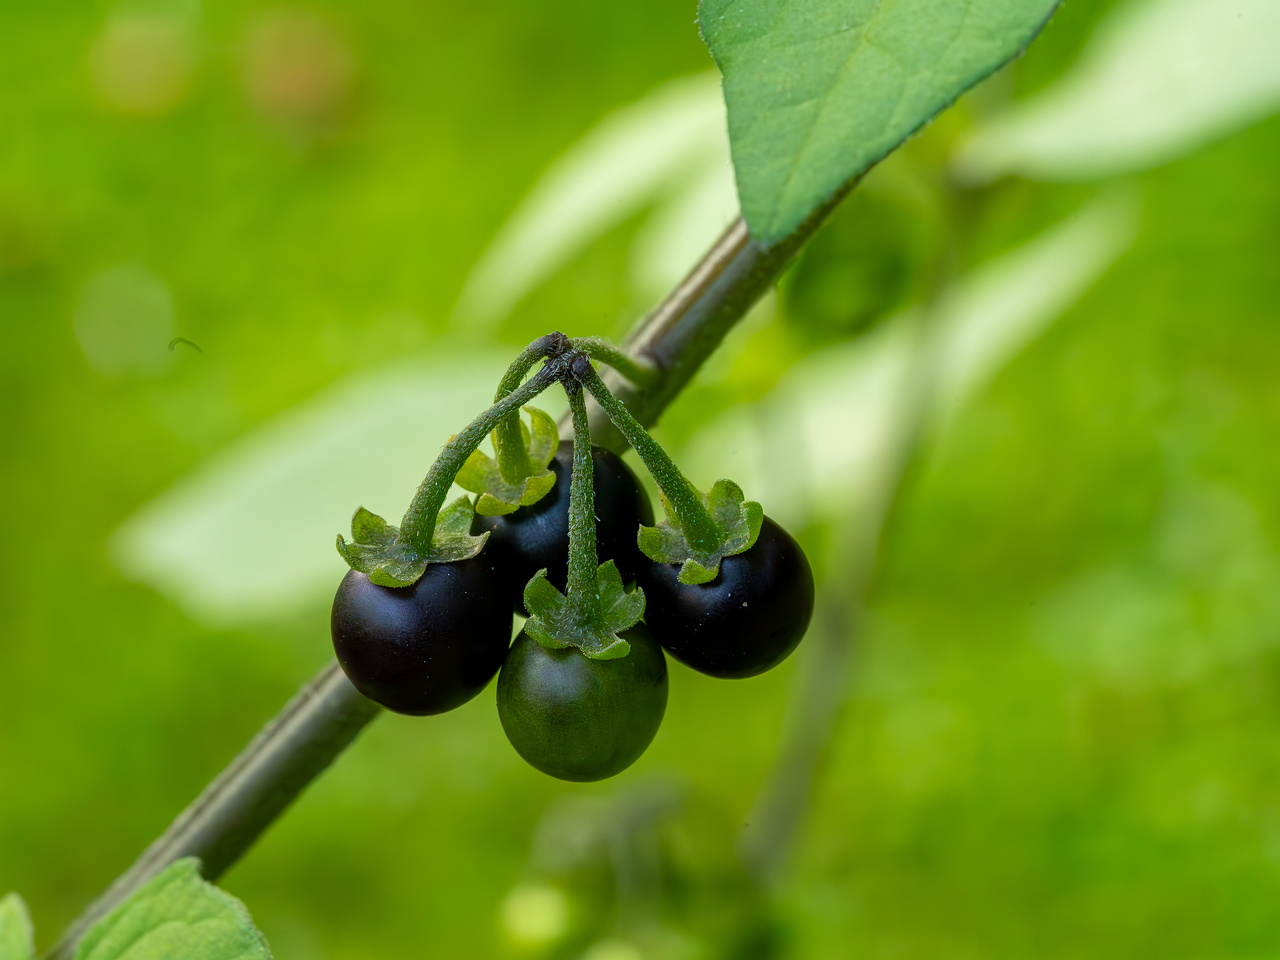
(255, 788)
(822, 683)
(678, 336)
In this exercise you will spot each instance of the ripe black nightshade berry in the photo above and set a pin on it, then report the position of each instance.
(581, 719)
(742, 623)
(428, 647)
(537, 536)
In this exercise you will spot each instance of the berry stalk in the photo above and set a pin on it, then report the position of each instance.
(597, 348)
(686, 505)
(508, 444)
(580, 588)
(419, 521)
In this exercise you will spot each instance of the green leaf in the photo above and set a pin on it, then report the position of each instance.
(819, 90)
(737, 519)
(16, 936)
(176, 916)
(499, 495)
(554, 622)
(377, 550)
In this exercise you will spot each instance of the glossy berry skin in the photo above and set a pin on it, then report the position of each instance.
(742, 623)
(580, 719)
(425, 648)
(537, 536)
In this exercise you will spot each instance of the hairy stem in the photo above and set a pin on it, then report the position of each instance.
(581, 586)
(680, 495)
(639, 373)
(678, 336)
(419, 521)
(508, 443)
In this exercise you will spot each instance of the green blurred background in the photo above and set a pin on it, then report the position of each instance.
(1059, 734)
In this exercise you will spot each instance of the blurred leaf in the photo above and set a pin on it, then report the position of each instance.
(1158, 79)
(125, 321)
(633, 157)
(176, 916)
(818, 91)
(249, 533)
(1204, 591)
(16, 935)
(824, 433)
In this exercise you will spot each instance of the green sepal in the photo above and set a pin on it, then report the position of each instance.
(17, 940)
(737, 521)
(377, 549)
(499, 496)
(553, 623)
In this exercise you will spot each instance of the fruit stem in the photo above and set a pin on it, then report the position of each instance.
(637, 371)
(580, 589)
(419, 523)
(514, 464)
(682, 498)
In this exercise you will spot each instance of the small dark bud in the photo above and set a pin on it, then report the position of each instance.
(554, 344)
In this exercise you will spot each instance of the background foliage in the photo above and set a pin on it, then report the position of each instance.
(1060, 732)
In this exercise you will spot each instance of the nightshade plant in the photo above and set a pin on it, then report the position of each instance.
(817, 91)
(417, 621)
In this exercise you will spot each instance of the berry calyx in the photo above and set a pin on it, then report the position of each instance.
(744, 622)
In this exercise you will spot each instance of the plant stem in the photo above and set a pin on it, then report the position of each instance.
(547, 345)
(508, 443)
(255, 788)
(600, 349)
(681, 496)
(857, 555)
(581, 586)
(678, 335)
(419, 521)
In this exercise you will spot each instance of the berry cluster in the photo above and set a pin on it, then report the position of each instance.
(423, 619)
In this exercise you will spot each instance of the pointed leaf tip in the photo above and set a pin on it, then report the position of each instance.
(817, 92)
